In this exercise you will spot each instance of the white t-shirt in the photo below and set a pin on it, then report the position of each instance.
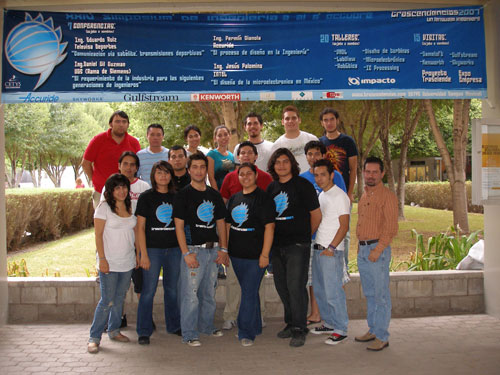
(296, 146)
(118, 238)
(263, 149)
(136, 188)
(333, 204)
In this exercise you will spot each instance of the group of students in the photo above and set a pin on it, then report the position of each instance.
(188, 229)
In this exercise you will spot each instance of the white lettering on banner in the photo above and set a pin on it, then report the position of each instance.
(232, 97)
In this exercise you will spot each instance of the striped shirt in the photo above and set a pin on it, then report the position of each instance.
(147, 159)
(377, 216)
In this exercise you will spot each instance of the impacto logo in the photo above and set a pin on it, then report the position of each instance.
(34, 47)
(355, 81)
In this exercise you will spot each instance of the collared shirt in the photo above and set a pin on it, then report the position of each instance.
(377, 216)
(104, 152)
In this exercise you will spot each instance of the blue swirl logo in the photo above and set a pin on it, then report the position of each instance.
(281, 201)
(164, 213)
(240, 214)
(34, 47)
(205, 212)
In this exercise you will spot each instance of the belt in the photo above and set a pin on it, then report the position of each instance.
(318, 247)
(369, 242)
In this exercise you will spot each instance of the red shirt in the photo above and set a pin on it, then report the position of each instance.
(231, 184)
(104, 152)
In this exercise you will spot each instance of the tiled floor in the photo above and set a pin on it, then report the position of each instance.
(465, 344)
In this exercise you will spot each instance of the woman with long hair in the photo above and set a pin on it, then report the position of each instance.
(115, 227)
(220, 160)
(250, 224)
(158, 248)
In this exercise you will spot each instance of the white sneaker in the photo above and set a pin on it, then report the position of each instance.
(246, 342)
(194, 342)
(229, 324)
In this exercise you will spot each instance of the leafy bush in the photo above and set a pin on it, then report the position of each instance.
(443, 251)
(436, 195)
(46, 214)
(17, 270)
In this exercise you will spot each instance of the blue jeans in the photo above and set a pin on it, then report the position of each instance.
(197, 294)
(375, 282)
(170, 260)
(114, 287)
(249, 276)
(291, 266)
(328, 272)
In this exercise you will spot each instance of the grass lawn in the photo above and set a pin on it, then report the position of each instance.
(72, 255)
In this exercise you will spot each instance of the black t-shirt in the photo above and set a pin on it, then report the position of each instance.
(248, 214)
(157, 209)
(199, 210)
(182, 181)
(294, 201)
(338, 151)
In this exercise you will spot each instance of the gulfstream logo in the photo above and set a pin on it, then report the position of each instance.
(355, 81)
(39, 99)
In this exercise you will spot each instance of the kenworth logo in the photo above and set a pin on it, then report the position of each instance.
(356, 81)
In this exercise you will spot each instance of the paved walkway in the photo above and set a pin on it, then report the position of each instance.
(465, 344)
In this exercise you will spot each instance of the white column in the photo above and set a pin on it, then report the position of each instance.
(491, 109)
(4, 297)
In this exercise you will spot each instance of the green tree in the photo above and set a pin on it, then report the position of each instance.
(23, 128)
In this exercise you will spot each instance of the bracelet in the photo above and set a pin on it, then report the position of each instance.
(224, 250)
(103, 258)
(332, 248)
(263, 256)
(186, 254)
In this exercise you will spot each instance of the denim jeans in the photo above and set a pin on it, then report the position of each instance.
(114, 287)
(290, 266)
(328, 272)
(170, 260)
(197, 294)
(347, 241)
(375, 282)
(249, 276)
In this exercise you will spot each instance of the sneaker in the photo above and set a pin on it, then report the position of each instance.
(93, 348)
(229, 324)
(298, 338)
(194, 342)
(143, 340)
(246, 342)
(217, 333)
(334, 339)
(285, 333)
(322, 330)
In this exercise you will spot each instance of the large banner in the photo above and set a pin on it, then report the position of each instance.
(98, 57)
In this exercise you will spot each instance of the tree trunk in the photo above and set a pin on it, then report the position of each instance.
(455, 168)
(231, 121)
(409, 128)
(384, 109)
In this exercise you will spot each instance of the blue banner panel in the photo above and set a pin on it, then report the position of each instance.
(99, 57)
